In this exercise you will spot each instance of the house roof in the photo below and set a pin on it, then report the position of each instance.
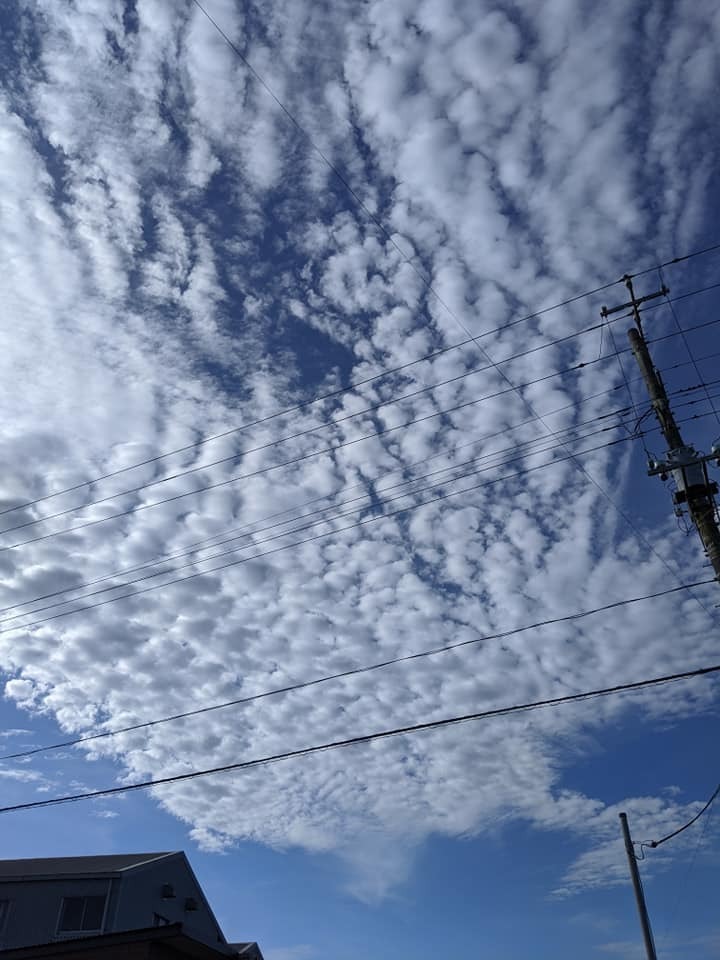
(176, 943)
(248, 951)
(76, 866)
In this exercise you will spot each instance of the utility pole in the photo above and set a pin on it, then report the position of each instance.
(683, 462)
(637, 887)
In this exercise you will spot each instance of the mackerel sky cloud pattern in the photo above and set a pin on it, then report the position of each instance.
(179, 260)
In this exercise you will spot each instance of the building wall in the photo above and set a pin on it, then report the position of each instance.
(134, 898)
(140, 897)
(34, 909)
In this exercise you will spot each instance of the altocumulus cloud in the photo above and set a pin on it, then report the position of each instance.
(180, 260)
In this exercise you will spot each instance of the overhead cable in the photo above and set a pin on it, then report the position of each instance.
(269, 468)
(294, 460)
(360, 523)
(355, 671)
(686, 341)
(470, 471)
(409, 261)
(310, 431)
(338, 392)
(369, 738)
(252, 528)
(675, 833)
(247, 528)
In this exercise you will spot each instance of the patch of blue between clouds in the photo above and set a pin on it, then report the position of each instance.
(20, 31)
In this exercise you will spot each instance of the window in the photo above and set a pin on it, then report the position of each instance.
(81, 914)
(4, 911)
(160, 921)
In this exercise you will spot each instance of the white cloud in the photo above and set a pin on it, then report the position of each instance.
(24, 776)
(176, 252)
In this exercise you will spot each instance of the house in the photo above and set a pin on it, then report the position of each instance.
(64, 903)
(153, 943)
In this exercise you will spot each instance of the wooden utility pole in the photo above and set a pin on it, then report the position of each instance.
(637, 887)
(687, 467)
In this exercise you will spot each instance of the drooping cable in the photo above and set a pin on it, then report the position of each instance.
(248, 528)
(370, 738)
(292, 461)
(656, 843)
(355, 671)
(471, 469)
(360, 523)
(332, 394)
(281, 518)
(309, 431)
(298, 126)
(269, 468)
(686, 342)
(251, 534)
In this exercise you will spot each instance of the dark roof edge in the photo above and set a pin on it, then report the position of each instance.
(172, 932)
(204, 898)
(54, 866)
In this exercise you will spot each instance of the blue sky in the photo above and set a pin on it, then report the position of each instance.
(180, 260)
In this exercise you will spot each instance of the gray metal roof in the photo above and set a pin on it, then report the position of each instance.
(76, 866)
(248, 951)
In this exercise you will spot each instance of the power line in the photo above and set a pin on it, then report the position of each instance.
(282, 534)
(297, 407)
(670, 263)
(686, 342)
(246, 528)
(684, 883)
(251, 529)
(380, 226)
(702, 385)
(707, 399)
(428, 284)
(302, 433)
(294, 460)
(299, 434)
(355, 671)
(656, 843)
(655, 305)
(200, 573)
(370, 737)
(248, 534)
(323, 520)
(397, 731)
(311, 539)
(270, 467)
(343, 390)
(576, 462)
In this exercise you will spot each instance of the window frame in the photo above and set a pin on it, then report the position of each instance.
(82, 930)
(5, 904)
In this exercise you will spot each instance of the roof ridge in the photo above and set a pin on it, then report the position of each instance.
(102, 863)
